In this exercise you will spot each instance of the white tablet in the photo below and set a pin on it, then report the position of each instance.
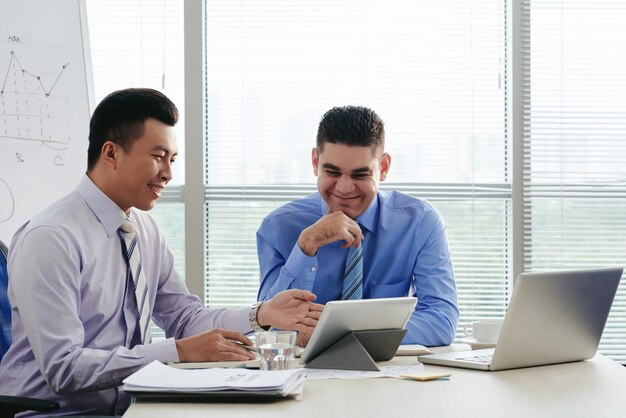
(342, 316)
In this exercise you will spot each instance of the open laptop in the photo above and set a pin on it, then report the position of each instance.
(553, 317)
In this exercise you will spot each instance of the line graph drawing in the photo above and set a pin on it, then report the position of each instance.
(34, 112)
(37, 77)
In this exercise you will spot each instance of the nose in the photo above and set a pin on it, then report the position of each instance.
(344, 185)
(166, 171)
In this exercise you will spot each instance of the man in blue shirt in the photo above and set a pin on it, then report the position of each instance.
(304, 244)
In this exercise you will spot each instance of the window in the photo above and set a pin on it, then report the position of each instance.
(435, 72)
(441, 74)
(575, 123)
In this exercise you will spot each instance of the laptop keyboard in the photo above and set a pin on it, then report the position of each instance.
(484, 359)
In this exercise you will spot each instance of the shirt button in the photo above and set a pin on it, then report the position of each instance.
(313, 269)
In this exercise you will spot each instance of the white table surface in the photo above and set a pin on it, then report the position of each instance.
(588, 389)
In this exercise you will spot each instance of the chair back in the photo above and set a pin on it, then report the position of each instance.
(5, 306)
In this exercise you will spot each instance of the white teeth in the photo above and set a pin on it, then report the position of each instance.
(156, 190)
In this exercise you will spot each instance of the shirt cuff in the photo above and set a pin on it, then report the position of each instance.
(300, 266)
(239, 320)
(163, 351)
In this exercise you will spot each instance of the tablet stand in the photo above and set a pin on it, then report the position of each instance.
(359, 350)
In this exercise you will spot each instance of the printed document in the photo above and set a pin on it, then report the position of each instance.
(157, 377)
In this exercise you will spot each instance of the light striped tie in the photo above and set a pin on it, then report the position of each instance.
(135, 272)
(353, 275)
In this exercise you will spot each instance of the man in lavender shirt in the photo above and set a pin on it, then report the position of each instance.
(74, 314)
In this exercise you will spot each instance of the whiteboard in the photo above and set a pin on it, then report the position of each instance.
(45, 94)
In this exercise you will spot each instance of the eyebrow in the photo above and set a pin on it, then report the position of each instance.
(164, 149)
(362, 170)
(330, 167)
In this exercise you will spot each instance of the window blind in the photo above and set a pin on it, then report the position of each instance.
(575, 125)
(436, 73)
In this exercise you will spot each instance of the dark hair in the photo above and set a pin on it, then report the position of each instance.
(351, 125)
(120, 118)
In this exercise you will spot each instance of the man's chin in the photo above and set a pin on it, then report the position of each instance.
(353, 214)
(349, 211)
(146, 206)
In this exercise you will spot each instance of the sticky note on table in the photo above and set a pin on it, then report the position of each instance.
(423, 376)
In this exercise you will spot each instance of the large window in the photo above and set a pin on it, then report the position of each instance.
(436, 72)
(450, 79)
(575, 147)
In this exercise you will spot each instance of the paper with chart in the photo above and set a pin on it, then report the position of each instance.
(44, 106)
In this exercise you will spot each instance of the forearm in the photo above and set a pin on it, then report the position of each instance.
(432, 327)
(85, 369)
(436, 316)
(278, 274)
(181, 314)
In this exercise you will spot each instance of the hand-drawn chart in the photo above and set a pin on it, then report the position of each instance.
(32, 113)
(44, 106)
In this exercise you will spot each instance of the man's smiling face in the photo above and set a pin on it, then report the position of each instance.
(348, 176)
(143, 171)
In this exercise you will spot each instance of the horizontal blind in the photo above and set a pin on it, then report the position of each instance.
(434, 71)
(574, 142)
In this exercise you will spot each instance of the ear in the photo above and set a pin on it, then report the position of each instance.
(315, 160)
(110, 154)
(385, 164)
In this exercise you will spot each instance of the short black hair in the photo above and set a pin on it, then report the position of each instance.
(351, 125)
(120, 118)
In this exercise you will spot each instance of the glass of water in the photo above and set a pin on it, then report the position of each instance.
(276, 349)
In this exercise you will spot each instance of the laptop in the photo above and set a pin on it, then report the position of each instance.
(342, 316)
(553, 317)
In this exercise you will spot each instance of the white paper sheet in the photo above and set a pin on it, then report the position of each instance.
(385, 371)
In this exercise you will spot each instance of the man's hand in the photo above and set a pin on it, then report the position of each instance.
(292, 310)
(214, 345)
(329, 228)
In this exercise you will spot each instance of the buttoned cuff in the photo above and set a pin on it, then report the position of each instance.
(301, 267)
(163, 351)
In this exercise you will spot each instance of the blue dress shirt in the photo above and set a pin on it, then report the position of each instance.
(74, 314)
(405, 252)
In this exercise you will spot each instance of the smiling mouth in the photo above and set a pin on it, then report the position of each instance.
(347, 199)
(155, 189)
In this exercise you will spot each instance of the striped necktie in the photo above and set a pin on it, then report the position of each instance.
(136, 274)
(353, 276)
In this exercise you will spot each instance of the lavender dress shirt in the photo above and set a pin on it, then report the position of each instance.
(74, 314)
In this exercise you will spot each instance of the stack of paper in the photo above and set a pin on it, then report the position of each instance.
(412, 350)
(157, 378)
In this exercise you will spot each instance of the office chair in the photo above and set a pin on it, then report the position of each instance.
(11, 405)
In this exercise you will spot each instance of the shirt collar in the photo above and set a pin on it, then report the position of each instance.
(108, 213)
(367, 220)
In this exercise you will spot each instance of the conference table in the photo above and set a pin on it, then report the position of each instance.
(586, 389)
